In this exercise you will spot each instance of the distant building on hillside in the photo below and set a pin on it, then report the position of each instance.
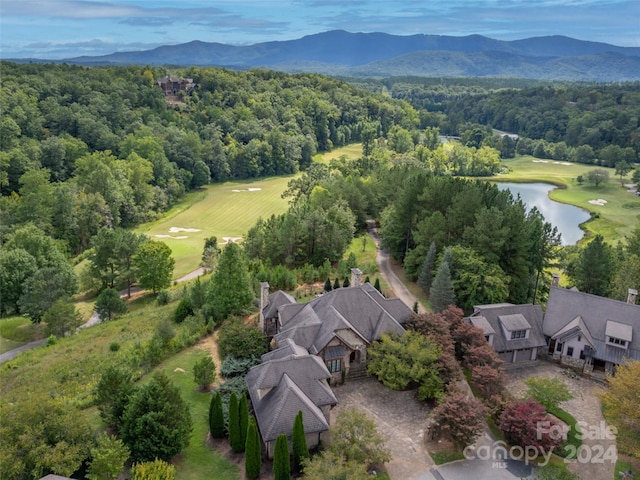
(171, 85)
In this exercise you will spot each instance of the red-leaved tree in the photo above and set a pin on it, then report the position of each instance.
(525, 423)
(461, 417)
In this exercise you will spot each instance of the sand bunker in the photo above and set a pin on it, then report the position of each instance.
(598, 201)
(230, 240)
(247, 190)
(561, 163)
(180, 229)
(179, 237)
(540, 161)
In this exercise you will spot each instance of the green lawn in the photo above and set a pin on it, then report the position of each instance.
(16, 331)
(350, 152)
(615, 220)
(199, 460)
(223, 210)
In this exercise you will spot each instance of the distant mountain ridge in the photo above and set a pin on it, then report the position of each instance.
(381, 54)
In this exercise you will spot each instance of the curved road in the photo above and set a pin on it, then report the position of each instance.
(95, 319)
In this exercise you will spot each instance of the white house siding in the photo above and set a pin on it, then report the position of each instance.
(577, 345)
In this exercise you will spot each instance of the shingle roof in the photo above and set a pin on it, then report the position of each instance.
(481, 322)
(276, 412)
(287, 348)
(574, 327)
(517, 317)
(361, 309)
(276, 300)
(565, 305)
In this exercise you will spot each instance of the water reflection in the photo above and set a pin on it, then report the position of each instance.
(566, 218)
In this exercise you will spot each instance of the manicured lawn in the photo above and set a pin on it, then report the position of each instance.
(350, 152)
(199, 460)
(615, 220)
(624, 466)
(224, 210)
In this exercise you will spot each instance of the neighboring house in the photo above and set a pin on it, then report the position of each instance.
(288, 381)
(51, 476)
(171, 85)
(590, 332)
(514, 331)
(337, 326)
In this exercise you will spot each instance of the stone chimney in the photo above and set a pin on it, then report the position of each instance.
(356, 277)
(556, 280)
(632, 295)
(264, 301)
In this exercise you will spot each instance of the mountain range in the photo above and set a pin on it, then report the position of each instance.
(339, 52)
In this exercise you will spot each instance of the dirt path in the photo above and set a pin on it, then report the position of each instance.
(593, 462)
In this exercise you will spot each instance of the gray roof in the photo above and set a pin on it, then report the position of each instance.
(565, 305)
(481, 322)
(516, 317)
(51, 476)
(277, 411)
(574, 327)
(288, 348)
(513, 322)
(275, 300)
(618, 330)
(307, 371)
(362, 309)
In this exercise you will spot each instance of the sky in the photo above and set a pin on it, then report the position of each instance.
(56, 29)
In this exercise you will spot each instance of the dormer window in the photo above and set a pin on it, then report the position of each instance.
(518, 334)
(617, 341)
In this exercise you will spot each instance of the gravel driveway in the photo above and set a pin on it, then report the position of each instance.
(585, 407)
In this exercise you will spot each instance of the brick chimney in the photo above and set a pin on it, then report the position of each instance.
(632, 295)
(264, 301)
(555, 282)
(356, 277)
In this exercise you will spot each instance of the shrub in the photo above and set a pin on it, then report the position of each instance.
(163, 297)
(155, 470)
(237, 367)
(183, 310)
(241, 341)
(114, 346)
(204, 372)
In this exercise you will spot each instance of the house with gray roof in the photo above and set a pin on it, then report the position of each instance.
(337, 326)
(288, 381)
(590, 332)
(514, 331)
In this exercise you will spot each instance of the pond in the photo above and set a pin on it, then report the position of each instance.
(566, 218)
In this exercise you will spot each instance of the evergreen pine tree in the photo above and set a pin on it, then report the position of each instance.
(327, 285)
(346, 282)
(216, 416)
(243, 416)
(281, 462)
(376, 285)
(441, 294)
(234, 424)
(425, 277)
(336, 284)
(366, 280)
(299, 443)
(253, 451)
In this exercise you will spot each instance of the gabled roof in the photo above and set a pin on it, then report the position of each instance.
(276, 412)
(287, 349)
(276, 299)
(362, 309)
(618, 330)
(565, 305)
(516, 317)
(307, 371)
(481, 322)
(514, 321)
(573, 328)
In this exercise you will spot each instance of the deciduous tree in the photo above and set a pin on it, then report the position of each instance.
(356, 438)
(461, 417)
(549, 392)
(521, 423)
(107, 458)
(109, 304)
(329, 464)
(62, 318)
(154, 265)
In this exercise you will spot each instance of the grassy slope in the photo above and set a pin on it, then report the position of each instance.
(614, 221)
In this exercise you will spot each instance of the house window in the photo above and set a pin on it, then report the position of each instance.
(559, 347)
(582, 356)
(335, 365)
(518, 334)
(579, 338)
(617, 341)
(570, 351)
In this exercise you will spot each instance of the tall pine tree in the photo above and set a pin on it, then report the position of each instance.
(376, 285)
(299, 443)
(216, 416)
(441, 294)
(425, 277)
(230, 290)
(243, 417)
(327, 285)
(596, 268)
(281, 461)
(234, 424)
(253, 451)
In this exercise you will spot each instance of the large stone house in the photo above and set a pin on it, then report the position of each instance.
(337, 326)
(590, 332)
(171, 85)
(514, 331)
(290, 380)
